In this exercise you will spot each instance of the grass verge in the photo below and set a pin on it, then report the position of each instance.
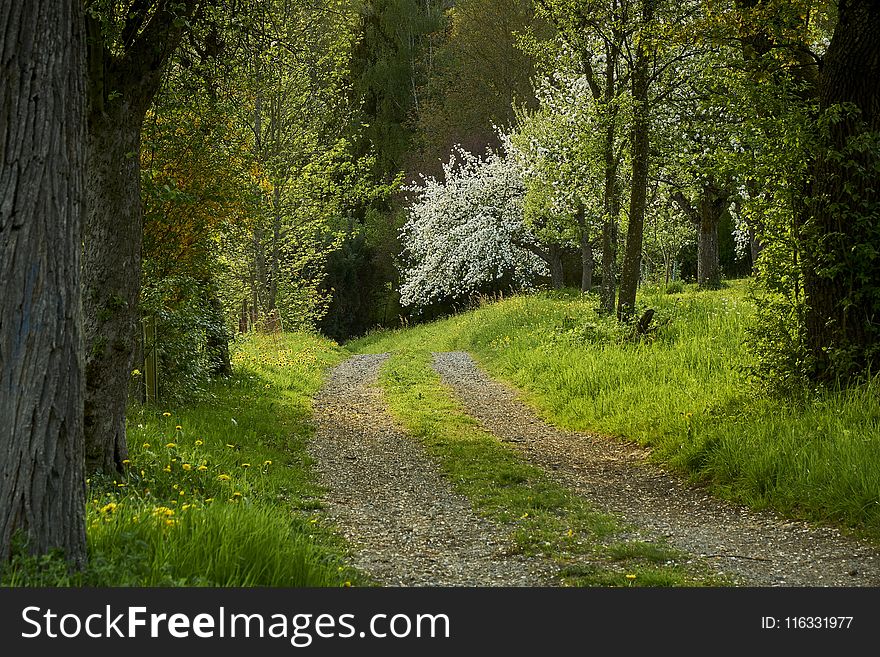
(218, 493)
(685, 393)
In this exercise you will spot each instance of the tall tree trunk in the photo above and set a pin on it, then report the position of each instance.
(42, 156)
(111, 283)
(611, 192)
(632, 258)
(712, 205)
(840, 232)
(708, 262)
(122, 79)
(586, 262)
(554, 261)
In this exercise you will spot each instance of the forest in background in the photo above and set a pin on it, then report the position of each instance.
(342, 165)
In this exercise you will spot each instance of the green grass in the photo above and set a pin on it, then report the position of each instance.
(218, 493)
(541, 517)
(684, 394)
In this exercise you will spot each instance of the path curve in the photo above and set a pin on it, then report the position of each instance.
(405, 524)
(757, 549)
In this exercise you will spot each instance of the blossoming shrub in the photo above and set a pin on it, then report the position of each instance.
(465, 233)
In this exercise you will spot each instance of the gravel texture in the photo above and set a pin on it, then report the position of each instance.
(407, 527)
(754, 548)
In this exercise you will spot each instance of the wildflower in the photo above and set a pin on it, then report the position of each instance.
(169, 522)
(223, 477)
(630, 576)
(181, 493)
(199, 442)
(170, 445)
(267, 462)
(126, 461)
(202, 468)
(146, 445)
(209, 500)
(245, 465)
(230, 446)
(109, 508)
(163, 511)
(166, 414)
(236, 495)
(167, 468)
(178, 427)
(186, 466)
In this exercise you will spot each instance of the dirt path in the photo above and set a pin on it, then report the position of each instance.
(758, 549)
(404, 522)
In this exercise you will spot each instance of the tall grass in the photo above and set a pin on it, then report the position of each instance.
(685, 393)
(217, 493)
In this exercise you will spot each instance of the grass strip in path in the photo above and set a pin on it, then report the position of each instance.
(545, 518)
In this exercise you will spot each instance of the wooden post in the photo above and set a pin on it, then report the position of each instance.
(151, 361)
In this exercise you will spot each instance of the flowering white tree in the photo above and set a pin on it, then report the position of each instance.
(466, 232)
(558, 146)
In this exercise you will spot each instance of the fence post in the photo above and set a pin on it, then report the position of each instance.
(151, 362)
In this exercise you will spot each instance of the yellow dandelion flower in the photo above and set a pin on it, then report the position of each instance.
(245, 465)
(236, 495)
(199, 442)
(146, 445)
(166, 414)
(178, 427)
(126, 461)
(167, 468)
(267, 462)
(202, 468)
(230, 446)
(169, 522)
(109, 508)
(186, 466)
(223, 477)
(186, 506)
(163, 511)
(209, 500)
(181, 493)
(630, 576)
(170, 445)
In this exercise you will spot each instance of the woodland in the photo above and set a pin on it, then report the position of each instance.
(192, 188)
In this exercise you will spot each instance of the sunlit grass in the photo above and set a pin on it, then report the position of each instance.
(218, 493)
(685, 393)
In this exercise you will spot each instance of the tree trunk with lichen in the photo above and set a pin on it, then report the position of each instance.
(122, 78)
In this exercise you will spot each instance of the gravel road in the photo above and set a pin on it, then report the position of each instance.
(405, 524)
(756, 549)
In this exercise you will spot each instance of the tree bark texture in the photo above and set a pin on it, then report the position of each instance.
(706, 218)
(554, 262)
(632, 258)
(586, 260)
(42, 154)
(111, 284)
(611, 192)
(121, 84)
(840, 232)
